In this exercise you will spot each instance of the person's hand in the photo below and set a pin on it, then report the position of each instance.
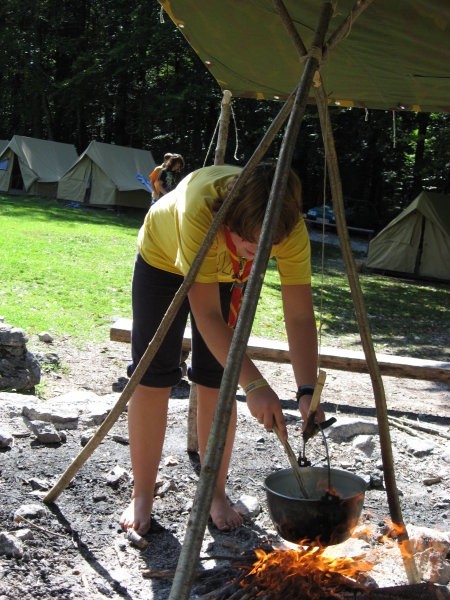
(264, 405)
(303, 406)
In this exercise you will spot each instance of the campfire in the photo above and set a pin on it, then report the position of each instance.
(313, 571)
(303, 572)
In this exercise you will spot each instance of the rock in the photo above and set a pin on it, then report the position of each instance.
(165, 487)
(29, 511)
(121, 439)
(431, 548)
(419, 447)
(347, 428)
(171, 461)
(116, 476)
(446, 455)
(86, 436)
(45, 337)
(248, 506)
(46, 433)
(376, 480)
(365, 443)
(39, 484)
(10, 545)
(6, 439)
(24, 534)
(48, 412)
(19, 368)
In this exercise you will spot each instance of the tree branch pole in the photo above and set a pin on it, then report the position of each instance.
(175, 305)
(219, 159)
(366, 337)
(186, 567)
(358, 302)
(224, 121)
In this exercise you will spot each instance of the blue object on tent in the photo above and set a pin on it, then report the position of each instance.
(145, 182)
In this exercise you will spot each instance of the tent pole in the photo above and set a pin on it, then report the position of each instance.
(219, 158)
(187, 562)
(224, 121)
(359, 305)
(366, 339)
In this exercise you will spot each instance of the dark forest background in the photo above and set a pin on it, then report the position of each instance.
(120, 72)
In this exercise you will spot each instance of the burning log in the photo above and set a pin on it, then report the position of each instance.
(309, 572)
(300, 573)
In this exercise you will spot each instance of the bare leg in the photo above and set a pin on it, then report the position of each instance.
(147, 419)
(222, 514)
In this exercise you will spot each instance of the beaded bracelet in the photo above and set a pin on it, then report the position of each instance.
(304, 390)
(255, 385)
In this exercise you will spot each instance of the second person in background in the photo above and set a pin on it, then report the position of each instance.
(170, 174)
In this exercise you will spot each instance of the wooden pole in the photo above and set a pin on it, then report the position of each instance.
(190, 551)
(358, 300)
(171, 312)
(222, 138)
(224, 121)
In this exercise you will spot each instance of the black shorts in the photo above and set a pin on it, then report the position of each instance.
(152, 292)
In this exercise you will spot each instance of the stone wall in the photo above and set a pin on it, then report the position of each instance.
(19, 368)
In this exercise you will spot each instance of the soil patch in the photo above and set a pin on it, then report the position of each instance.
(76, 549)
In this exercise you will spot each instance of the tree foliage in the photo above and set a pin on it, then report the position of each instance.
(122, 73)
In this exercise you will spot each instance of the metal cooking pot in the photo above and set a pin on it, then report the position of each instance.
(330, 512)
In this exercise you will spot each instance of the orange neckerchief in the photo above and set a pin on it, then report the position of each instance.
(241, 271)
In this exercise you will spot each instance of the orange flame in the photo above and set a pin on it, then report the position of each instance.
(306, 570)
(398, 530)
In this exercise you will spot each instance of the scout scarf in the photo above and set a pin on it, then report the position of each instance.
(241, 271)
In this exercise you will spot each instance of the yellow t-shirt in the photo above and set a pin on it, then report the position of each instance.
(175, 227)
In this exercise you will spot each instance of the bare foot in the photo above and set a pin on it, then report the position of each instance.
(224, 516)
(137, 515)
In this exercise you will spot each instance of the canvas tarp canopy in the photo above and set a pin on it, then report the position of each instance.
(396, 56)
(105, 174)
(417, 241)
(34, 165)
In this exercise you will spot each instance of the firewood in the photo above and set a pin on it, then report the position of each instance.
(421, 427)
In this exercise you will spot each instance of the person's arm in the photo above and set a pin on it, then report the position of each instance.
(302, 338)
(263, 402)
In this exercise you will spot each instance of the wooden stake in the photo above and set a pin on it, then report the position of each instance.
(222, 138)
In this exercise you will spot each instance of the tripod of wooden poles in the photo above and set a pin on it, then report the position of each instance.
(293, 110)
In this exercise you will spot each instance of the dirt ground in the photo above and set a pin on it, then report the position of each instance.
(75, 548)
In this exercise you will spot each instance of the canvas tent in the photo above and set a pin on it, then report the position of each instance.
(34, 165)
(105, 175)
(417, 241)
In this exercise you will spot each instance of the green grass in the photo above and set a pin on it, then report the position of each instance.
(68, 271)
(64, 270)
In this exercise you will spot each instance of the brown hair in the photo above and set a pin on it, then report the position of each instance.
(246, 212)
(174, 160)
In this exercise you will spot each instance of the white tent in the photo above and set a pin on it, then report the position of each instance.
(105, 174)
(33, 165)
(417, 241)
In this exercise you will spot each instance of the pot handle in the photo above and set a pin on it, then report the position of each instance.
(312, 428)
